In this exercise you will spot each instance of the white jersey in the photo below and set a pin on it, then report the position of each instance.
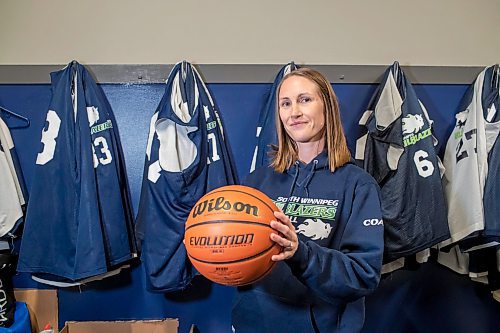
(11, 196)
(466, 165)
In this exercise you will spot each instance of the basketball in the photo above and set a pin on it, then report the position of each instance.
(227, 235)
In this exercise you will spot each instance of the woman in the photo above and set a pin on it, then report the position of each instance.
(331, 230)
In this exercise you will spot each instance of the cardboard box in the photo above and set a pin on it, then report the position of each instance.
(132, 326)
(42, 305)
(43, 308)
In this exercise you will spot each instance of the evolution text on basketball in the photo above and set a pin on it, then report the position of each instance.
(221, 240)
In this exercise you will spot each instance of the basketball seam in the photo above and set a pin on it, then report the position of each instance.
(234, 261)
(221, 189)
(262, 275)
(229, 221)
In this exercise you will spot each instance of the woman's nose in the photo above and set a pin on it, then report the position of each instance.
(295, 112)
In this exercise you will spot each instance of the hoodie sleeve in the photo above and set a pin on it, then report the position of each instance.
(353, 270)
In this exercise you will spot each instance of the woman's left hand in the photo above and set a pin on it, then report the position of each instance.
(285, 236)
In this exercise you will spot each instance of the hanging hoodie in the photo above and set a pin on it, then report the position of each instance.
(79, 221)
(338, 220)
(266, 128)
(187, 156)
(13, 194)
(472, 161)
(398, 150)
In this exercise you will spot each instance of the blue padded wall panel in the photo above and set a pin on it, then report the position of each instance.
(208, 305)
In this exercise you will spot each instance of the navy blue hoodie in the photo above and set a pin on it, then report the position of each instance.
(338, 219)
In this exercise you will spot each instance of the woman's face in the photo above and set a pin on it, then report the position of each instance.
(301, 109)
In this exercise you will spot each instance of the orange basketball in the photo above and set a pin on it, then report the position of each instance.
(227, 235)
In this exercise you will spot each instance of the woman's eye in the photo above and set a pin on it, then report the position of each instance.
(284, 104)
(305, 99)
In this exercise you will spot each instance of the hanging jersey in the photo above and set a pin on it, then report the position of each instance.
(266, 128)
(80, 201)
(14, 164)
(398, 150)
(186, 156)
(491, 108)
(12, 196)
(469, 150)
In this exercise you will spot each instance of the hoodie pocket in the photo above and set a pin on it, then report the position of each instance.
(256, 312)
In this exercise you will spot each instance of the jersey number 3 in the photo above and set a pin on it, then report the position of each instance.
(49, 142)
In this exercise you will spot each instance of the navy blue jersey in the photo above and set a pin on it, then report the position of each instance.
(398, 151)
(186, 157)
(111, 177)
(266, 126)
(80, 199)
(491, 113)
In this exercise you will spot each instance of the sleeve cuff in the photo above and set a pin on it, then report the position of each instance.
(298, 262)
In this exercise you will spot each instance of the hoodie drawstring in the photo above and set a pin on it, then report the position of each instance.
(307, 180)
(292, 187)
(304, 183)
(294, 178)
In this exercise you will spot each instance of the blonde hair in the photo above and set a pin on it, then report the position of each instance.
(286, 152)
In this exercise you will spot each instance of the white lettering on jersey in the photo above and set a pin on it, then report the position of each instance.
(370, 222)
(106, 158)
(49, 137)
(425, 168)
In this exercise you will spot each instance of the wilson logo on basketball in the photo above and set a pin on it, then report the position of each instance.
(221, 240)
(220, 203)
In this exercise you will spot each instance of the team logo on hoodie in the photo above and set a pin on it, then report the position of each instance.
(314, 229)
